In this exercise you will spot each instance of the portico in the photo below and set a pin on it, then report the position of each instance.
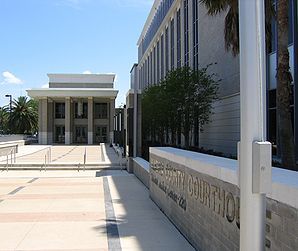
(76, 109)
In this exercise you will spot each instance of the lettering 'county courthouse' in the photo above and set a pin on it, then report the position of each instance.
(180, 32)
(76, 109)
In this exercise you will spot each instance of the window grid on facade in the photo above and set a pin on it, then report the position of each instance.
(161, 12)
(186, 34)
(178, 38)
(172, 44)
(195, 34)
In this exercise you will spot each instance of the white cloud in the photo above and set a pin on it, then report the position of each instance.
(45, 85)
(87, 72)
(11, 79)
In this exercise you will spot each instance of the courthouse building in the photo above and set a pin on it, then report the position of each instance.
(76, 109)
(180, 32)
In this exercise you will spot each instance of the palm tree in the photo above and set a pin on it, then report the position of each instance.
(3, 120)
(284, 78)
(283, 90)
(24, 117)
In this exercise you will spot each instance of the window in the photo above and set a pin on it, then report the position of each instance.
(195, 34)
(178, 38)
(158, 64)
(59, 134)
(59, 110)
(172, 44)
(101, 111)
(81, 110)
(186, 34)
(154, 65)
(167, 50)
(160, 14)
(162, 56)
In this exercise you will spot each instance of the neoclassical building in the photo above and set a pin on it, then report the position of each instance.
(76, 109)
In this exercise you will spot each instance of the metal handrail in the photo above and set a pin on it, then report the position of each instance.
(11, 159)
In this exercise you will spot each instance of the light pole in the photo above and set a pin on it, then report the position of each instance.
(255, 152)
(10, 103)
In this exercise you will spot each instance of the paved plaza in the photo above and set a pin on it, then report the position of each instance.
(81, 211)
(64, 155)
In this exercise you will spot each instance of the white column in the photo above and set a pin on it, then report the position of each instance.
(43, 121)
(90, 120)
(67, 121)
(252, 96)
(112, 113)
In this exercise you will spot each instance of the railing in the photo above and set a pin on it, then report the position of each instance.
(11, 152)
(84, 161)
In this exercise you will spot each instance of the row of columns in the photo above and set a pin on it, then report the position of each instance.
(46, 117)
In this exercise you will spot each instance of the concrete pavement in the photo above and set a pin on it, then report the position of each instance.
(35, 156)
(92, 210)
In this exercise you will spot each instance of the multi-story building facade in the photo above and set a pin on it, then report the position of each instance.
(76, 109)
(180, 32)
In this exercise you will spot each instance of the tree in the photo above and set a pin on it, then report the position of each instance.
(3, 120)
(283, 90)
(24, 116)
(284, 78)
(176, 103)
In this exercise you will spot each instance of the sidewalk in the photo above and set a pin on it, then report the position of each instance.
(87, 211)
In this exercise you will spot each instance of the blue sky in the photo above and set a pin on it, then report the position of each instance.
(67, 36)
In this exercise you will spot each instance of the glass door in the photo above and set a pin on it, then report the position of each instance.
(60, 134)
(101, 134)
(81, 134)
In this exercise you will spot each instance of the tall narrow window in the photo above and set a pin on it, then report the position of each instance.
(59, 110)
(195, 34)
(151, 68)
(172, 44)
(178, 38)
(162, 56)
(158, 64)
(154, 65)
(167, 50)
(186, 34)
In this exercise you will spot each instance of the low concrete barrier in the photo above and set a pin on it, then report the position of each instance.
(200, 195)
(141, 169)
(12, 137)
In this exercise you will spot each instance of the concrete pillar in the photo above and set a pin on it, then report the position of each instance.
(253, 114)
(68, 133)
(50, 118)
(90, 120)
(112, 113)
(43, 121)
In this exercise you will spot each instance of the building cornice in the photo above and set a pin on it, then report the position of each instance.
(73, 92)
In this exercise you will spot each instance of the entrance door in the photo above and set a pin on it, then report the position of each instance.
(101, 134)
(60, 134)
(81, 134)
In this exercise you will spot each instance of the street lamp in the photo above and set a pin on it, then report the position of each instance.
(10, 103)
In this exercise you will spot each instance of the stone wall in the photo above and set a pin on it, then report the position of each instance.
(281, 226)
(141, 170)
(200, 195)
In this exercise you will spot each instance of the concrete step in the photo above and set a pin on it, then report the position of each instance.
(64, 168)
